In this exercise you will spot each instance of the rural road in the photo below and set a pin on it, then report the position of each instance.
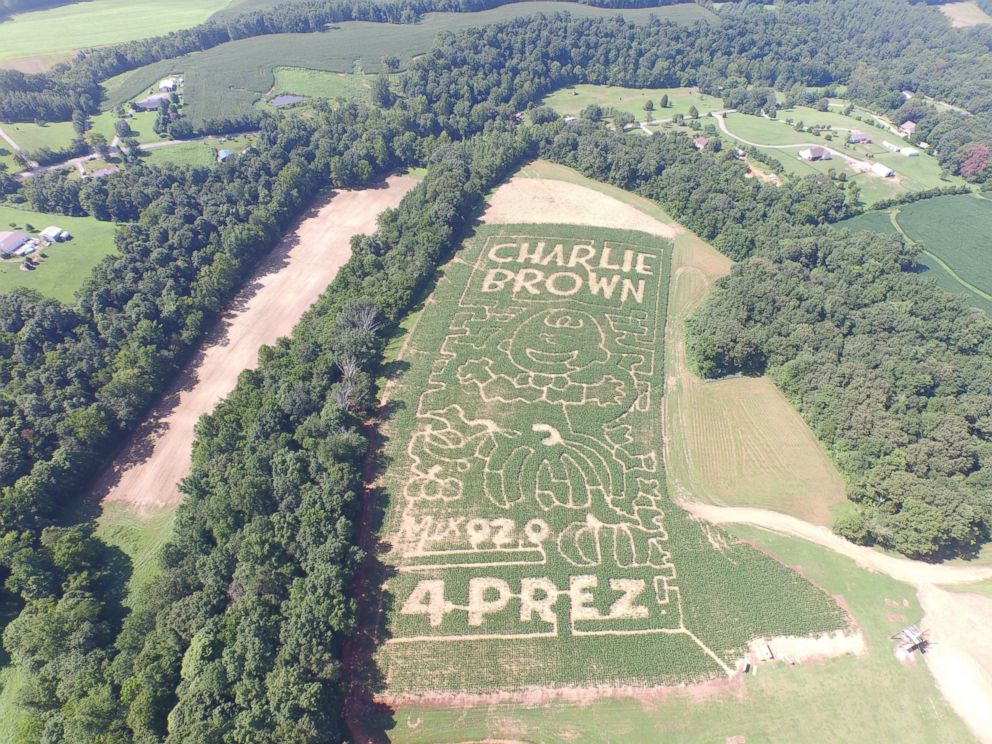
(147, 472)
(960, 651)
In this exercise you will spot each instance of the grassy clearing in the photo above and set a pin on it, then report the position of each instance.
(200, 152)
(97, 23)
(230, 78)
(140, 538)
(912, 173)
(570, 101)
(317, 84)
(31, 137)
(867, 698)
(68, 264)
(965, 14)
(525, 467)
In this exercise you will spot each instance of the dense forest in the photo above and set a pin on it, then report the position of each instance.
(242, 637)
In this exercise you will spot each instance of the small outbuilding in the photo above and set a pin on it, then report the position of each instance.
(859, 138)
(12, 241)
(169, 84)
(53, 234)
(909, 152)
(890, 146)
(881, 169)
(811, 154)
(223, 155)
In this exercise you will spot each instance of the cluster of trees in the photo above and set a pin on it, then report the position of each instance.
(893, 374)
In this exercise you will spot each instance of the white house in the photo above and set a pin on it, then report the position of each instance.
(169, 84)
(815, 153)
(880, 169)
(53, 234)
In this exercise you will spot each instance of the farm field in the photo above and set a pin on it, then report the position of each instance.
(737, 441)
(580, 555)
(570, 101)
(68, 264)
(953, 232)
(97, 23)
(141, 538)
(230, 78)
(781, 141)
(872, 697)
(965, 14)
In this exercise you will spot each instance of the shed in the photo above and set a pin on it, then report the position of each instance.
(52, 234)
(223, 155)
(11, 241)
(910, 152)
(859, 138)
(889, 146)
(880, 169)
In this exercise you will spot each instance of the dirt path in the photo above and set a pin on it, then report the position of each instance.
(146, 474)
(543, 200)
(960, 654)
(14, 146)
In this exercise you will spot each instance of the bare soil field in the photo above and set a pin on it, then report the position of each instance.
(965, 14)
(147, 472)
(736, 441)
(542, 200)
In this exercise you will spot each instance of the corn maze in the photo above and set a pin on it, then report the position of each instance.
(530, 534)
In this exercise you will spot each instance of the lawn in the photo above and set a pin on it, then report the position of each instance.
(570, 101)
(527, 489)
(97, 23)
(867, 698)
(230, 78)
(912, 173)
(68, 265)
(31, 137)
(195, 153)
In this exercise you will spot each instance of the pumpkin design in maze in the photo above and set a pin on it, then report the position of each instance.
(528, 484)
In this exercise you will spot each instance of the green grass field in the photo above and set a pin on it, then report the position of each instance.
(68, 264)
(197, 152)
(140, 538)
(230, 78)
(868, 698)
(571, 101)
(953, 232)
(912, 173)
(98, 23)
(317, 84)
(529, 519)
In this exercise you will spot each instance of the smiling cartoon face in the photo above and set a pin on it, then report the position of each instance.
(557, 342)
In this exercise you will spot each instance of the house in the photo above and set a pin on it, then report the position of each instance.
(859, 138)
(909, 152)
(223, 155)
(12, 241)
(908, 128)
(700, 142)
(53, 234)
(169, 84)
(890, 147)
(815, 153)
(880, 169)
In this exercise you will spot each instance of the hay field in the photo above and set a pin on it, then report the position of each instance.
(529, 522)
(963, 15)
(570, 101)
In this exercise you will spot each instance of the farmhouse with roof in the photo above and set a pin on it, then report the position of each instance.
(859, 138)
(12, 241)
(169, 84)
(815, 153)
(700, 142)
(908, 128)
